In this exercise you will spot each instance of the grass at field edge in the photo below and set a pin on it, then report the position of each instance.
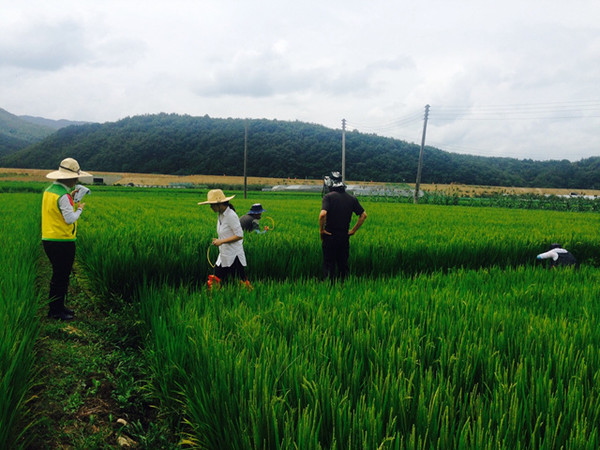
(90, 378)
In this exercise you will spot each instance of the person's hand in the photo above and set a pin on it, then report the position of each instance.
(216, 242)
(81, 206)
(325, 233)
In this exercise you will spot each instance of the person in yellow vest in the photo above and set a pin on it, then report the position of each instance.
(59, 232)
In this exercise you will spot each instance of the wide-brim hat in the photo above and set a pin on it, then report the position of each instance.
(257, 209)
(215, 196)
(334, 180)
(68, 169)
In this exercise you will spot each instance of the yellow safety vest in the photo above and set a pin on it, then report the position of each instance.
(54, 227)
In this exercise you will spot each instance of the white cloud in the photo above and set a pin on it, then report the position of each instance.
(374, 63)
(43, 46)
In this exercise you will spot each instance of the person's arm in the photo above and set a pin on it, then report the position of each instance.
(65, 204)
(322, 222)
(549, 254)
(228, 240)
(258, 229)
(358, 224)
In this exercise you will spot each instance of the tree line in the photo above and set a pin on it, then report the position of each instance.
(184, 145)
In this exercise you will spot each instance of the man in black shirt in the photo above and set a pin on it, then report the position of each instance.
(334, 226)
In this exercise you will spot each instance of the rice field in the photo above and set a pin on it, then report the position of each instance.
(18, 309)
(488, 359)
(166, 235)
(447, 334)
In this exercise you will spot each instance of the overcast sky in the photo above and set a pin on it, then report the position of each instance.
(503, 78)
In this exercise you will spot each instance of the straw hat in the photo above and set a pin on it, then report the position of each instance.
(215, 196)
(68, 169)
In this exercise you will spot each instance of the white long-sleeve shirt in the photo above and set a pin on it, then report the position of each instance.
(554, 253)
(229, 225)
(66, 207)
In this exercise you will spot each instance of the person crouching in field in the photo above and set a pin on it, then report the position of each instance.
(231, 262)
(250, 220)
(59, 232)
(559, 257)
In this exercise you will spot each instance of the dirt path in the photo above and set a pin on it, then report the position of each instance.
(88, 392)
(9, 174)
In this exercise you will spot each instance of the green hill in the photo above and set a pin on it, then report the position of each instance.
(182, 144)
(50, 123)
(17, 133)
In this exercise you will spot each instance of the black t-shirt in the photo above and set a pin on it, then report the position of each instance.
(339, 207)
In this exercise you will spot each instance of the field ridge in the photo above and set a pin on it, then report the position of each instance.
(87, 394)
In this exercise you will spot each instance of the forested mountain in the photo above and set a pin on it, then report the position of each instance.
(51, 123)
(176, 144)
(17, 133)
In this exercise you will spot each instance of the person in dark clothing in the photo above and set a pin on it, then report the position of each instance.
(334, 226)
(559, 257)
(250, 220)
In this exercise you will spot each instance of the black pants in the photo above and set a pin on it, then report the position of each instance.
(336, 250)
(61, 255)
(228, 274)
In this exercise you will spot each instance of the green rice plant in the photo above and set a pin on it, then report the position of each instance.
(392, 358)
(165, 236)
(501, 200)
(473, 359)
(18, 309)
(415, 350)
(11, 187)
(153, 240)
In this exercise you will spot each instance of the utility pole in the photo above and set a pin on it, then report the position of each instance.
(418, 184)
(245, 156)
(343, 149)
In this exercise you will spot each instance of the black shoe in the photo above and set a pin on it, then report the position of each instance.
(60, 315)
(68, 311)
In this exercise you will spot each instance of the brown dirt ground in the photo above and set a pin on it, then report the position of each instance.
(10, 174)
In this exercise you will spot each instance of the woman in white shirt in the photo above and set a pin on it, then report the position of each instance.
(231, 262)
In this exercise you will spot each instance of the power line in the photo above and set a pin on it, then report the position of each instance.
(565, 110)
(523, 115)
(473, 151)
(550, 111)
(395, 124)
(527, 105)
(582, 109)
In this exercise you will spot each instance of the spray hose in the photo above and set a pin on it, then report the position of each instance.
(272, 223)
(208, 256)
